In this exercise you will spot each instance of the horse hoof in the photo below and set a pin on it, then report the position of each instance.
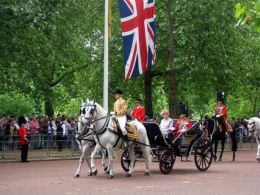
(220, 159)
(76, 175)
(90, 174)
(105, 168)
(95, 172)
(110, 177)
(146, 174)
(107, 172)
(258, 159)
(128, 175)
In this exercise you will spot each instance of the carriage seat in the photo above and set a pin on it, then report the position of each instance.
(189, 137)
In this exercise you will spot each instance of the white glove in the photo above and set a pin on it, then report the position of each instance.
(183, 130)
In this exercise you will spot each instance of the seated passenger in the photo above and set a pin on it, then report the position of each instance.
(166, 125)
(182, 125)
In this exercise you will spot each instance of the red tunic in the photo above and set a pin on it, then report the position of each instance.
(181, 124)
(22, 132)
(221, 110)
(138, 113)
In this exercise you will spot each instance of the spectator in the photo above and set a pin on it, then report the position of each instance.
(44, 131)
(61, 133)
(34, 131)
(2, 132)
(54, 131)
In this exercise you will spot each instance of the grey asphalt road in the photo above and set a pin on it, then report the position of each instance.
(55, 177)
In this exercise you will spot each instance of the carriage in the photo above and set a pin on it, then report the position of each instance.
(165, 151)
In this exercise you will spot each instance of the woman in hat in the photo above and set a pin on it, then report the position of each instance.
(166, 124)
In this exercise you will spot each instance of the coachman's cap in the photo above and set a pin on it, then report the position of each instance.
(118, 91)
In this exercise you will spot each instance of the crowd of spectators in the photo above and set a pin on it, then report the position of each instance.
(55, 132)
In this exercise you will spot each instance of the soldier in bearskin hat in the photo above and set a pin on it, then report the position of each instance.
(138, 112)
(221, 110)
(24, 142)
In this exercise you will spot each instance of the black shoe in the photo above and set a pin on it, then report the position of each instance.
(25, 161)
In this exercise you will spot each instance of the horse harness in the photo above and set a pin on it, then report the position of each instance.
(104, 128)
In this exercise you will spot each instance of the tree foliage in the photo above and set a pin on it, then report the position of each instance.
(51, 51)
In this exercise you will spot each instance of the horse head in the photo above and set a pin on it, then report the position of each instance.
(88, 113)
(251, 126)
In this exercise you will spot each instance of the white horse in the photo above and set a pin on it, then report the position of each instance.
(254, 127)
(86, 142)
(106, 138)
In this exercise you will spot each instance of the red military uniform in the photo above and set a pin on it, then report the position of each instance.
(138, 113)
(181, 125)
(22, 132)
(221, 110)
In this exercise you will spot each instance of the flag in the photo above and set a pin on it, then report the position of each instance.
(138, 27)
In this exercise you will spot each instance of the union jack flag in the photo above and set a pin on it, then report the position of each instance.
(139, 35)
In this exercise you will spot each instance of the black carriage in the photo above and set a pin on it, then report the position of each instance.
(165, 151)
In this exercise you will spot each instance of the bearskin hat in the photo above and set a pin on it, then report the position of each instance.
(21, 120)
(183, 109)
(220, 96)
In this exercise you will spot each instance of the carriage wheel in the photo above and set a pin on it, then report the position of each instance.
(125, 160)
(166, 161)
(203, 154)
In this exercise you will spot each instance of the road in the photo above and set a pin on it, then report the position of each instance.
(55, 178)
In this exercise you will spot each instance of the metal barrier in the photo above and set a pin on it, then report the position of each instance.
(44, 147)
(40, 147)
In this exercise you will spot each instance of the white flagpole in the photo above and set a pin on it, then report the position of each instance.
(105, 86)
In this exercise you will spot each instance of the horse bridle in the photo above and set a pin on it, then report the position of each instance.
(91, 122)
(253, 127)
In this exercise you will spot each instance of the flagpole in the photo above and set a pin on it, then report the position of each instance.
(105, 85)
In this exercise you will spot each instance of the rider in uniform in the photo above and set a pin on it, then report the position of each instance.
(120, 107)
(182, 124)
(138, 111)
(221, 111)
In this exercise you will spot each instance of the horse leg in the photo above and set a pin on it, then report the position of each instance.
(234, 144)
(257, 136)
(147, 158)
(81, 160)
(234, 156)
(215, 150)
(258, 153)
(103, 152)
(110, 161)
(93, 170)
(132, 160)
(222, 149)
